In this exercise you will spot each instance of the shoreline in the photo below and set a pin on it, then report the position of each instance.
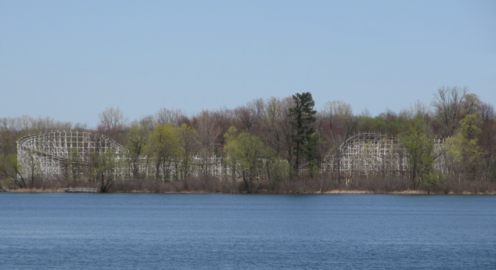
(330, 192)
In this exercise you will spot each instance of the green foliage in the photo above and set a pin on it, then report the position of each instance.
(277, 169)
(188, 140)
(303, 115)
(463, 148)
(230, 138)
(245, 154)
(136, 141)
(166, 146)
(166, 141)
(247, 150)
(419, 149)
(187, 136)
(382, 124)
(103, 168)
(310, 153)
(287, 125)
(104, 162)
(7, 144)
(231, 135)
(136, 145)
(434, 181)
(10, 169)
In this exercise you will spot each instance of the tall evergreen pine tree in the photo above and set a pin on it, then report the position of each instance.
(303, 115)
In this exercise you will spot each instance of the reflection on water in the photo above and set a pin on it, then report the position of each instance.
(147, 231)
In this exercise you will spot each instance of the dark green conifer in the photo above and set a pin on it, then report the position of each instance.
(303, 115)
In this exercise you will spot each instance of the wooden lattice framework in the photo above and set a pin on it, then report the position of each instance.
(49, 155)
(51, 152)
(374, 153)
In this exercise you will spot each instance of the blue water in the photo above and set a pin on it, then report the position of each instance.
(147, 231)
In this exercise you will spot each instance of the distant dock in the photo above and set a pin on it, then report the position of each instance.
(81, 190)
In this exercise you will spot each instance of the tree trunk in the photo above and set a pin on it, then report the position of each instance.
(247, 185)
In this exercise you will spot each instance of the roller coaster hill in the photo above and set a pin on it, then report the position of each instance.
(53, 154)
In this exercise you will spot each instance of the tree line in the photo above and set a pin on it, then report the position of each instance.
(275, 137)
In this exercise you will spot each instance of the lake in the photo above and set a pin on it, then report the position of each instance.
(219, 231)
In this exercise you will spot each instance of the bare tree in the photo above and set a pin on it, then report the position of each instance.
(251, 115)
(224, 119)
(487, 139)
(487, 112)
(272, 133)
(174, 116)
(136, 146)
(245, 116)
(189, 142)
(337, 125)
(207, 130)
(257, 108)
(448, 104)
(287, 128)
(10, 168)
(147, 122)
(417, 110)
(112, 122)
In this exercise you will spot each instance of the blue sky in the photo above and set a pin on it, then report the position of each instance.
(71, 60)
